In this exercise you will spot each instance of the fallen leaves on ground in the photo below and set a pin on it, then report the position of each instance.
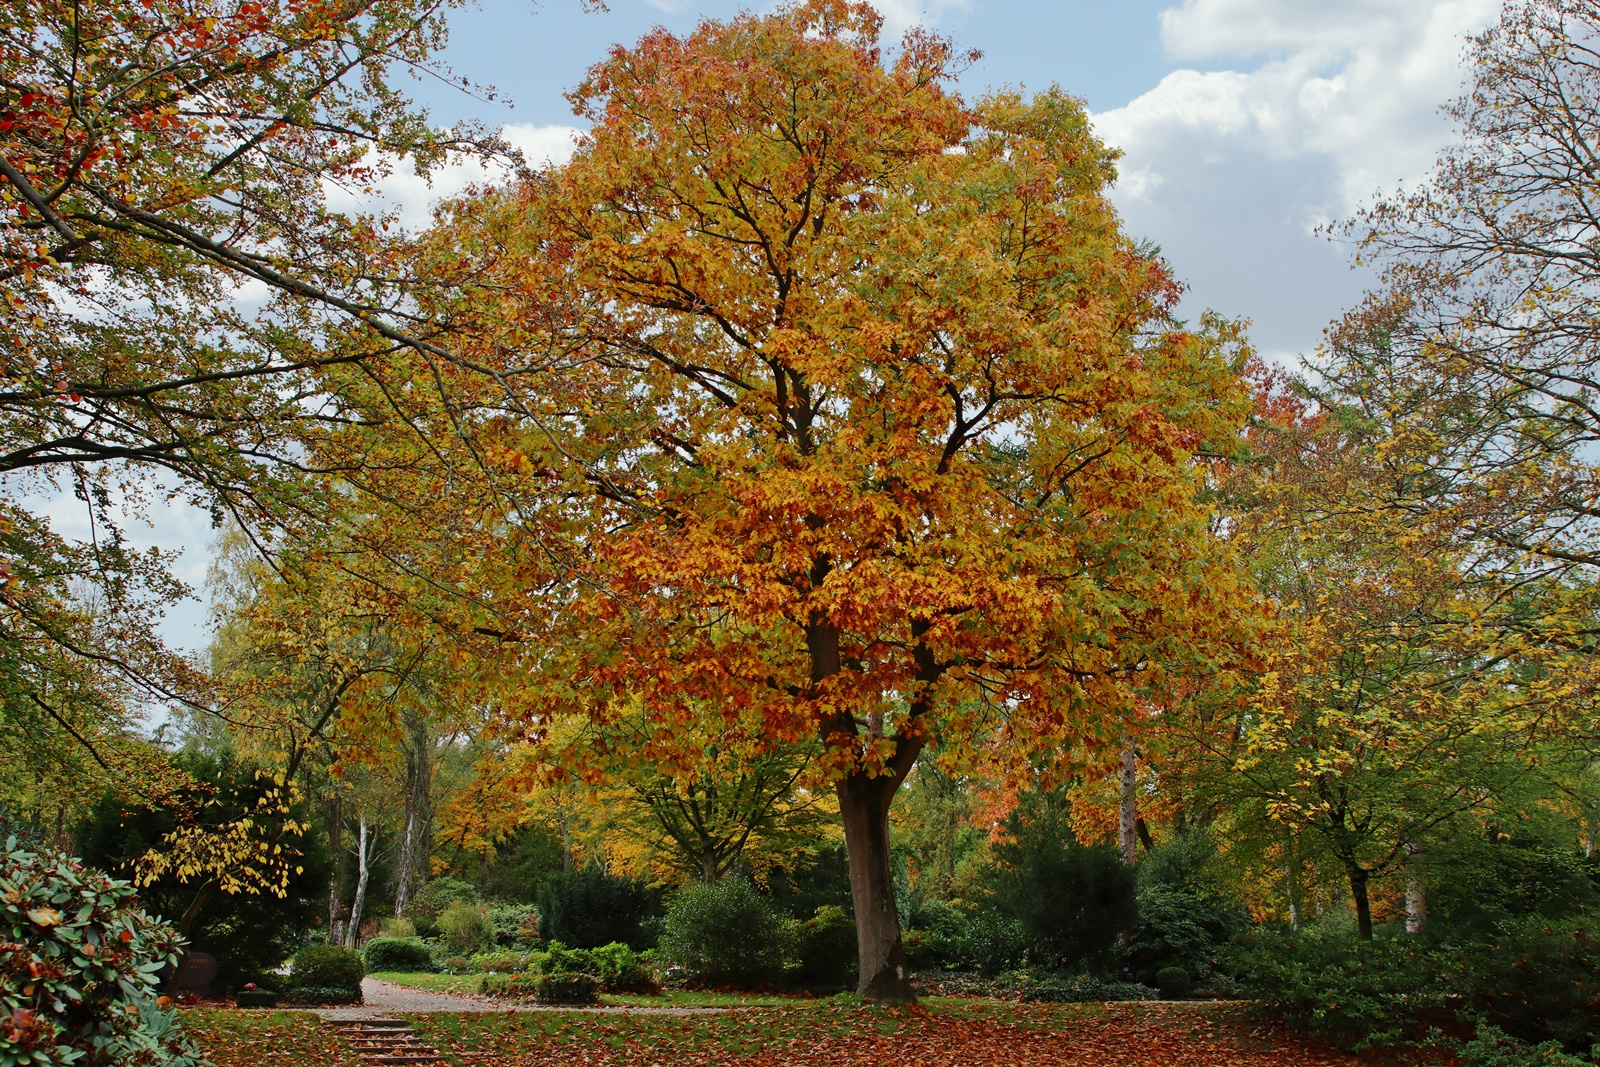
(843, 1036)
(266, 1039)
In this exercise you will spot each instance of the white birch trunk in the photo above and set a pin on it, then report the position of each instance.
(354, 929)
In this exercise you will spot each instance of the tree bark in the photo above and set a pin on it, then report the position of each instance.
(1358, 890)
(336, 883)
(417, 842)
(864, 806)
(1128, 813)
(1416, 895)
(361, 887)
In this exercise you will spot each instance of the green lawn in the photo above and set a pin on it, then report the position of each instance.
(473, 983)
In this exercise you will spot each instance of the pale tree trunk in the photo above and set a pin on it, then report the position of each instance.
(416, 844)
(336, 883)
(1128, 814)
(1416, 896)
(1291, 879)
(362, 873)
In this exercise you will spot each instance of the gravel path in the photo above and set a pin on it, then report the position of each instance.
(383, 999)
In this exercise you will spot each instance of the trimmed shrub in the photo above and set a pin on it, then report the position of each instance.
(824, 948)
(397, 954)
(458, 964)
(95, 961)
(724, 934)
(464, 929)
(590, 908)
(1178, 927)
(327, 967)
(1174, 983)
(495, 963)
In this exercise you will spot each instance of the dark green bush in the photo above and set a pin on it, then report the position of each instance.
(1353, 993)
(1538, 979)
(590, 908)
(1073, 900)
(824, 949)
(1175, 983)
(397, 954)
(1492, 1048)
(91, 961)
(1055, 987)
(724, 935)
(327, 967)
(1178, 927)
(564, 989)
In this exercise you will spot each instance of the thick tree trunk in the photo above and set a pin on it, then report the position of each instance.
(864, 806)
(361, 887)
(417, 843)
(1128, 813)
(1358, 890)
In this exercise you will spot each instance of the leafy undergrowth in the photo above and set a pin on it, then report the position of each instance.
(835, 1035)
(266, 1039)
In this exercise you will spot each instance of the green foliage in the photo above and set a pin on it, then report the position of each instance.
(518, 864)
(79, 969)
(397, 954)
(724, 935)
(1178, 927)
(965, 939)
(1536, 978)
(513, 924)
(824, 949)
(458, 964)
(620, 969)
(440, 895)
(392, 927)
(250, 934)
(1073, 900)
(464, 929)
(327, 966)
(590, 908)
(1478, 884)
(1175, 983)
(1353, 993)
(567, 987)
(492, 963)
(1056, 987)
(1492, 1048)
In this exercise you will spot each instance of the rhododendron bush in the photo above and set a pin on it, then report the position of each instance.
(79, 969)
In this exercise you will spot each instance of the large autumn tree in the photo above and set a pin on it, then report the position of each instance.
(873, 426)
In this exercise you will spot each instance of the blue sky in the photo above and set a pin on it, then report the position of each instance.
(1245, 124)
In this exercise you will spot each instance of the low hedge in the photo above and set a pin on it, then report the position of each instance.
(398, 954)
(327, 967)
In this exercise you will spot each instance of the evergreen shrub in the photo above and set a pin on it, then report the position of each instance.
(327, 967)
(724, 935)
(397, 954)
(823, 949)
(80, 968)
(590, 908)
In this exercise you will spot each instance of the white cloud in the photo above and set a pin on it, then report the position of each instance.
(412, 198)
(901, 15)
(1327, 104)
